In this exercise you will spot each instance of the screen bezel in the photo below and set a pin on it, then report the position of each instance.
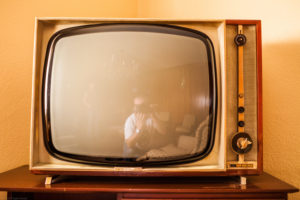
(46, 85)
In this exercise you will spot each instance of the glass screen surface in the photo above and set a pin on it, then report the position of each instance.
(131, 94)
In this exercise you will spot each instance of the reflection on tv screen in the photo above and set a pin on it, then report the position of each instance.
(132, 93)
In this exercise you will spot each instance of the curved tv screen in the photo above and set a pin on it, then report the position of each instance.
(129, 95)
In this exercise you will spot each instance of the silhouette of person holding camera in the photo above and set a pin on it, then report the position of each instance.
(142, 127)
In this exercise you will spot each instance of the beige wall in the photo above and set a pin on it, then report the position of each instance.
(281, 66)
(281, 69)
(16, 47)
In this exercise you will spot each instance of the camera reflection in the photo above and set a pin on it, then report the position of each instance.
(143, 129)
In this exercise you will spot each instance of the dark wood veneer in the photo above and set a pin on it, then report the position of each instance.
(149, 174)
(20, 182)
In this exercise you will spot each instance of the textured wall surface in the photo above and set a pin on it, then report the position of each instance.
(16, 52)
(281, 66)
(281, 69)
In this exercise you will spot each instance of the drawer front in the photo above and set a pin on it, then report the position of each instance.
(207, 196)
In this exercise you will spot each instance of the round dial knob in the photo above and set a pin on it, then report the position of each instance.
(240, 39)
(242, 143)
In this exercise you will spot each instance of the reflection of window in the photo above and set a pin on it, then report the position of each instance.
(120, 65)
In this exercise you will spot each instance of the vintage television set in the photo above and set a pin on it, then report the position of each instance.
(146, 97)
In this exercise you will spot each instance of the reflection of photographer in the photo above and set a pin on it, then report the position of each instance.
(141, 126)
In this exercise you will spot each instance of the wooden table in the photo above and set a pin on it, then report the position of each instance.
(21, 184)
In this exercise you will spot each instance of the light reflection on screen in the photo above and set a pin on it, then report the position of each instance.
(130, 94)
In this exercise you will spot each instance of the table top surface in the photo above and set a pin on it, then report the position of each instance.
(21, 180)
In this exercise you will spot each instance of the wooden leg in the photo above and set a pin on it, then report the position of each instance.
(243, 180)
(50, 179)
